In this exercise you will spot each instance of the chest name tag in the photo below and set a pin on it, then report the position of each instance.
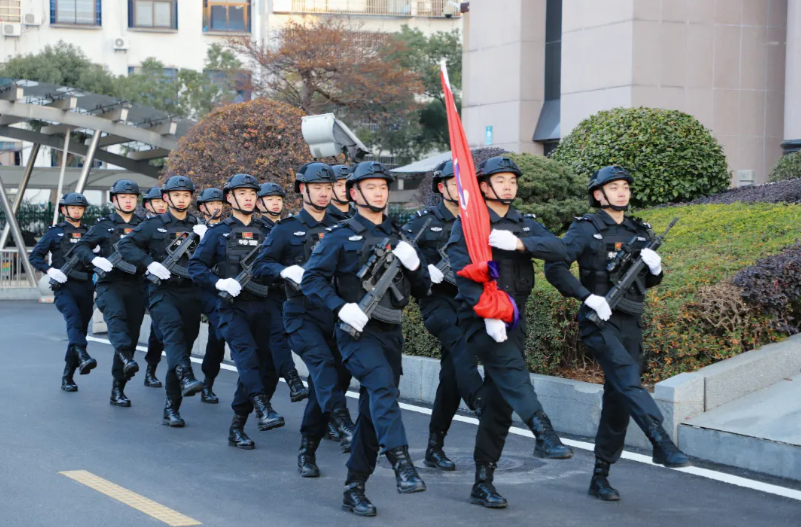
(597, 236)
(641, 239)
(247, 242)
(300, 233)
(436, 229)
(355, 238)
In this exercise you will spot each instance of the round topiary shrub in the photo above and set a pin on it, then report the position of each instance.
(787, 167)
(551, 190)
(673, 157)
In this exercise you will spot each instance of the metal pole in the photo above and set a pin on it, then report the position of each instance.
(11, 220)
(23, 186)
(64, 155)
(87, 162)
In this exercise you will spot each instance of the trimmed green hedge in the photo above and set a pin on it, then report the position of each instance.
(685, 326)
(787, 167)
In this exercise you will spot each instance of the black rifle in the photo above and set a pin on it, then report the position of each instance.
(245, 279)
(173, 257)
(444, 266)
(377, 285)
(117, 262)
(629, 278)
(71, 261)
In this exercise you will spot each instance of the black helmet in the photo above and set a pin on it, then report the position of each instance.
(124, 186)
(314, 172)
(73, 199)
(369, 170)
(241, 181)
(271, 189)
(341, 172)
(496, 165)
(607, 175)
(209, 194)
(178, 183)
(443, 172)
(153, 193)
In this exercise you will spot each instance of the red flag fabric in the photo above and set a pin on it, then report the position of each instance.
(493, 303)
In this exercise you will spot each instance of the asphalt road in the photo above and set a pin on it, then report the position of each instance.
(45, 431)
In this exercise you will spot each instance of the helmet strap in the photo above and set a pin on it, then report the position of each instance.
(268, 212)
(316, 207)
(239, 209)
(609, 205)
(68, 217)
(215, 215)
(367, 203)
(169, 202)
(499, 200)
(449, 198)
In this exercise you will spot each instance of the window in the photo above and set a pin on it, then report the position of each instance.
(169, 74)
(160, 14)
(226, 15)
(548, 129)
(78, 12)
(10, 11)
(239, 83)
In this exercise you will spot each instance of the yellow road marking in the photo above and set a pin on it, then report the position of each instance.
(132, 499)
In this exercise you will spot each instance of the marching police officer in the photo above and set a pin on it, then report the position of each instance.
(458, 369)
(375, 356)
(210, 204)
(594, 240)
(74, 291)
(174, 304)
(340, 207)
(227, 246)
(309, 325)
(515, 240)
(154, 205)
(271, 205)
(120, 295)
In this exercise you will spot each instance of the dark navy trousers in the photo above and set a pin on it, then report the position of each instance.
(75, 302)
(123, 306)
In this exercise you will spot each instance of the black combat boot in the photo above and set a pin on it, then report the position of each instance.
(171, 416)
(406, 475)
(599, 486)
(118, 396)
(268, 418)
(484, 492)
(354, 499)
(207, 395)
(297, 392)
(665, 452)
(332, 432)
(236, 434)
(189, 385)
(345, 427)
(435, 456)
(85, 362)
(129, 365)
(307, 458)
(549, 445)
(67, 384)
(150, 377)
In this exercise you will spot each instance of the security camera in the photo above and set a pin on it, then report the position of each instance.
(451, 9)
(327, 136)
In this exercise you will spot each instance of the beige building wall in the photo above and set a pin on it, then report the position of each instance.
(792, 91)
(504, 57)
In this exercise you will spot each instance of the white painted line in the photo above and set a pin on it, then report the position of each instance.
(582, 445)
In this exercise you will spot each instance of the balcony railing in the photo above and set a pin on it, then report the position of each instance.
(403, 8)
(12, 271)
(10, 11)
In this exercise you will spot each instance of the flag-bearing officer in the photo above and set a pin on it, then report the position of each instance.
(309, 324)
(594, 241)
(74, 291)
(174, 304)
(515, 240)
(120, 295)
(340, 207)
(271, 205)
(210, 204)
(375, 356)
(458, 369)
(218, 259)
(154, 205)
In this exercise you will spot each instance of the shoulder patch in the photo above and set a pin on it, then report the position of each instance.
(597, 236)
(529, 215)
(356, 238)
(299, 233)
(60, 234)
(582, 218)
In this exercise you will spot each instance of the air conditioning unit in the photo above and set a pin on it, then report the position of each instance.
(32, 19)
(12, 30)
(121, 43)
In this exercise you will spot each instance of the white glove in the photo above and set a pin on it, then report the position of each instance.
(504, 240)
(102, 264)
(159, 271)
(57, 275)
(353, 315)
(496, 328)
(200, 230)
(229, 285)
(600, 306)
(407, 255)
(294, 273)
(436, 275)
(652, 260)
(96, 250)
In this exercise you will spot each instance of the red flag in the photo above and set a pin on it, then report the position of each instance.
(493, 303)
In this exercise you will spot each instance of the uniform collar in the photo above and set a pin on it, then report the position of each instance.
(385, 225)
(169, 218)
(306, 219)
(444, 213)
(116, 218)
(266, 221)
(608, 220)
(511, 215)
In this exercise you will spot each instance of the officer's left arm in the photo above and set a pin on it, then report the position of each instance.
(459, 257)
(267, 266)
(316, 283)
(652, 280)
(38, 257)
(94, 237)
(543, 244)
(133, 248)
(558, 273)
(420, 277)
(205, 258)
